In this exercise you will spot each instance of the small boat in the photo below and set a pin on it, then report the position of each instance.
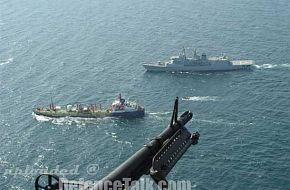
(119, 108)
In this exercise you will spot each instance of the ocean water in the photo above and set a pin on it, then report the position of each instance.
(89, 51)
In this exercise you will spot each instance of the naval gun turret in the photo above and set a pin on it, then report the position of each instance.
(157, 159)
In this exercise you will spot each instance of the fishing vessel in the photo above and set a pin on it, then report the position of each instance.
(119, 108)
(198, 63)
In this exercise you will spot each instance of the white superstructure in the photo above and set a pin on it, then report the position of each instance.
(198, 63)
(121, 105)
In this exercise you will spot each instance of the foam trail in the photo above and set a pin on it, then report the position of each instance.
(201, 98)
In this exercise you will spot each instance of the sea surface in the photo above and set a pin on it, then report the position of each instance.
(90, 51)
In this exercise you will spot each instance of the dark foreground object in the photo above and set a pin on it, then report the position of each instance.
(156, 159)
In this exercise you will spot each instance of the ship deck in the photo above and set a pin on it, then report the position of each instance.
(243, 62)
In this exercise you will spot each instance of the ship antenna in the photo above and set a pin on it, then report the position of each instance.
(183, 52)
(51, 102)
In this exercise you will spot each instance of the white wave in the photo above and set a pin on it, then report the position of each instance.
(41, 118)
(113, 135)
(79, 121)
(270, 66)
(122, 142)
(8, 61)
(201, 98)
(115, 138)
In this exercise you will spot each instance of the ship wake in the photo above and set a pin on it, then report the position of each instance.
(201, 98)
(271, 66)
(159, 113)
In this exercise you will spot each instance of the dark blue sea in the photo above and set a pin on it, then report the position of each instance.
(90, 51)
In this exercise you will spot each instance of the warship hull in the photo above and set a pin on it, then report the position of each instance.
(196, 68)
